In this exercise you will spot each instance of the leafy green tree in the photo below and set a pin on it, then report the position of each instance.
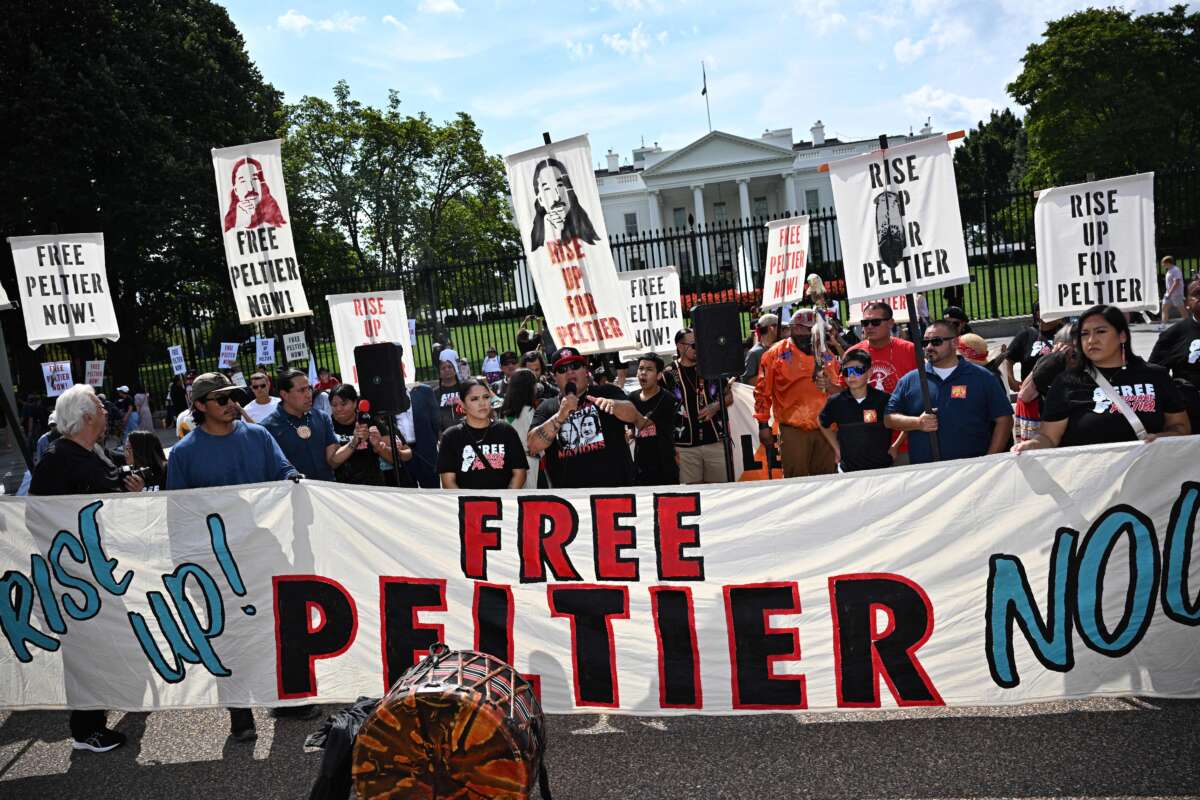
(110, 109)
(1109, 94)
(992, 156)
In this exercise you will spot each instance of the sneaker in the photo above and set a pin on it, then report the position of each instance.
(101, 741)
(241, 725)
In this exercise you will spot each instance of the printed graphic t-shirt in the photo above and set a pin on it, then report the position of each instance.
(481, 458)
(590, 449)
(654, 445)
(1093, 419)
(1027, 347)
(1178, 349)
(862, 437)
(450, 409)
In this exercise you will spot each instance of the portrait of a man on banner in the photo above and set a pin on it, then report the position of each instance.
(558, 215)
(250, 200)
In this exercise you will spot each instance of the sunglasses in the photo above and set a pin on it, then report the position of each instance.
(257, 386)
(690, 345)
(871, 323)
(853, 372)
(565, 368)
(221, 399)
(936, 341)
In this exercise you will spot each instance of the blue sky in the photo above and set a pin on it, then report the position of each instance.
(624, 70)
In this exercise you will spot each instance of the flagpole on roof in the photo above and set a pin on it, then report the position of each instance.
(704, 93)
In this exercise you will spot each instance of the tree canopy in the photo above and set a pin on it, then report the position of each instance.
(1109, 93)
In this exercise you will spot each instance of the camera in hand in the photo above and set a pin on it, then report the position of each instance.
(127, 470)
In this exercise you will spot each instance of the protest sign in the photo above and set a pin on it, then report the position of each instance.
(238, 378)
(264, 350)
(898, 304)
(557, 209)
(1095, 244)
(228, 355)
(899, 206)
(653, 305)
(64, 288)
(295, 348)
(1000, 590)
(369, 318)
(257, 231)
(94, 370)
(178, 364)
(412, 332)
(787, 258)
(57, 376)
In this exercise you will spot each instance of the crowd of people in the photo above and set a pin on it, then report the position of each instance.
(824, 404)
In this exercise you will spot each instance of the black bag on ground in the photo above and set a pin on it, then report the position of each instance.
(336, 736)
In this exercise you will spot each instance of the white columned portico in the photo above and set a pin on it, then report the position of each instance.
(656, 222)
(703, 267)
(789, 191)
(743, 185)
(747, 246)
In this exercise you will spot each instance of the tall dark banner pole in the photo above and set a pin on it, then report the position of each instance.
(891, 257)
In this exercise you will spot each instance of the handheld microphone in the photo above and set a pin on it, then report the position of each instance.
(570, 388)
(364, 412)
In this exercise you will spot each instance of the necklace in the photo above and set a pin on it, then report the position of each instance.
(302, 430)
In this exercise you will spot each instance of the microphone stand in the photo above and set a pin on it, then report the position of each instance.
(724, 382)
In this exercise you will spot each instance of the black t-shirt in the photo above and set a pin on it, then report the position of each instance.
(362, 468)
(862, 438)
(450, 409)
(1047, 369)
(654, 445)
(694, 393)
(1178, 349)
(1093, 419)
(67, 468)
(1027, 347)
(590, 449)
(481, 458)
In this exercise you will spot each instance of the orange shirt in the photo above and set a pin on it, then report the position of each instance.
(785, 381)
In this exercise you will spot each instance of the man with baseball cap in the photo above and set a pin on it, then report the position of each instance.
(225, 451)
(582, 431)
(767, 329)
(795, 382)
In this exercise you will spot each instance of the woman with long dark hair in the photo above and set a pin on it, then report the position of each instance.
(144, 450)
(519, 402)
(1095, 401)
(480, 452)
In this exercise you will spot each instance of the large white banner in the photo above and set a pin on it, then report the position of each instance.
(787, 259)
(63, 288)
(1095, 244)
(257, 231)
(369, 318)
(653, 304)
(899, 207)
(557, 209)
(1058, 574)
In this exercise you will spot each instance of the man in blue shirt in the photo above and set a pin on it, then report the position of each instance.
(971, 412)
(304, 433)
(224, 451)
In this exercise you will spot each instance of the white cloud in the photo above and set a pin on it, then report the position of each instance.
(947, 106)
(633, 45)
(439, 7)
(578, 51)
(824, 16)
(339, 23)
(908, 51)
(944, 33)
(661, 36)
(395, 23)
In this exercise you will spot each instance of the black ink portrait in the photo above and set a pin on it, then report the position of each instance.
(889, 227)
(250, 200)
(558, 215)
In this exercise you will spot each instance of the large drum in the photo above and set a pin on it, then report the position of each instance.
(460, 724)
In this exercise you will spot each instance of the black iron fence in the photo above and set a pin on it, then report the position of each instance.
(482, 304)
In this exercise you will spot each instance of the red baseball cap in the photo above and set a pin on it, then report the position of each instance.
(567, 355)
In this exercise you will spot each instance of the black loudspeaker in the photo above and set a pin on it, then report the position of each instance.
(718, 339)
(380, 370)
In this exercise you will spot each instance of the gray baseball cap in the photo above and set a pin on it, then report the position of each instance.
(211, 382)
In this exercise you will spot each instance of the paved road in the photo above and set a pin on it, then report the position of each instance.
(1098, 748)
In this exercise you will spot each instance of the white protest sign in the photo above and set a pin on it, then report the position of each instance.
(901, 207)
(369, 318)
(238, 378)
(64, 288)
(641, 602)
(653, 305)
(557, 209)
(295, 348)
(898, 303)
(257, 232)
(787, 258)
(264, 350)
(1095, 244)
(228, 355)
(178, 363)
(412, 332)
(94, 370)
(57, 376)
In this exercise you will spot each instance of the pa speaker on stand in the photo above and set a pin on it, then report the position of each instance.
(718, 330)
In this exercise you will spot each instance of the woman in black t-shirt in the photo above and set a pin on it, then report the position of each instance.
(1078, 412)
(1178, 349)
(480, 452)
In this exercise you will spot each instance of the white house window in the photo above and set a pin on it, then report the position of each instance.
(631, 224)
(720, 213)
(679, 217)
(812, 200)
(760, 207)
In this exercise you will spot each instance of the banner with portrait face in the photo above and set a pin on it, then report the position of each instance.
(64, 288)
(557, 209)
(257, 230)
(898, 220)
(1095, 244)
(370, 318)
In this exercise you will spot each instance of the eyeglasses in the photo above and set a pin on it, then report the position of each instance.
(221, 399)
(936, 341)
(690, 345)
(853, 372)
(257, 386)
(565, 368)
(871, 323)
